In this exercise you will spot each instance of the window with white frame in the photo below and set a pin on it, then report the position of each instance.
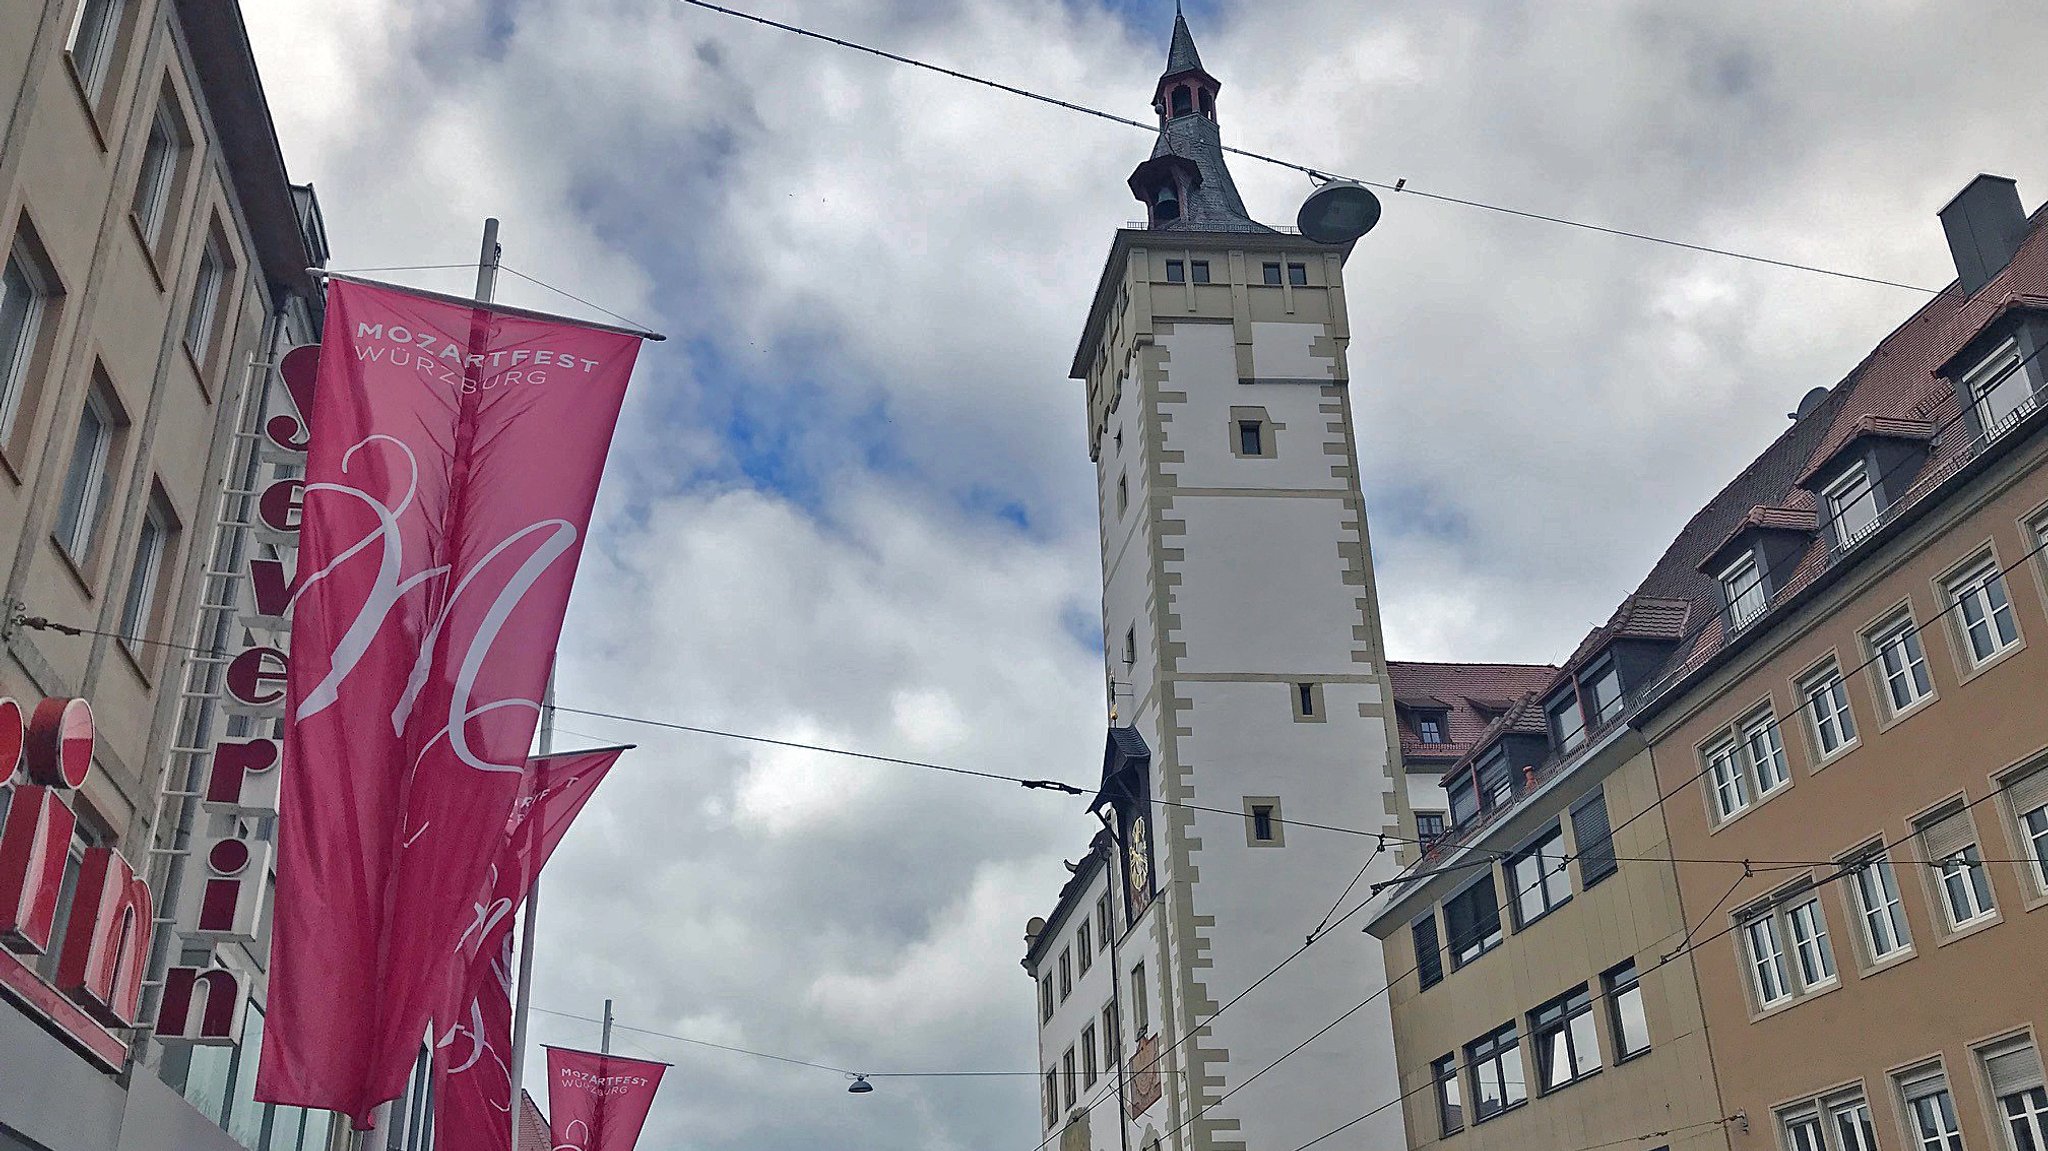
(1878, 907)
(1930, 1110)
(1537, 873)
(1052, 1099)
(1803, 1132)
(1983, 611)
(1810, 946)
(1840, 1122)
(1045, 998)
(138, 610)
(2012, 1070)
(25, 292)
(1088, 1071)
(1565, 1035)
(1902, 662)
(1827, 710)
(1071, 1091)
(1066, 974)
(1948, 840)
(89, 475)
(1727, 781)
(1766, 958)
(1102, 921)
(1083, 954)
(1743, 584)
(2026, 797)
(1765, 751)
(156, 184)
(1852, 506)
(2000, 391)
(1787, 948)
(95, 32)
(1854, 1128)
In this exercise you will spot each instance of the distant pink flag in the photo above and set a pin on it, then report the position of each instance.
(455, 456)
(599, 1102)
(472, 1062)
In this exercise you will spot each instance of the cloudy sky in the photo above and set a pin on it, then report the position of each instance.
(851, 500)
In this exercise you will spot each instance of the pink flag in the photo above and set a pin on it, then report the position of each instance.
(599, 1102)
(456, 450)
(473, 1086)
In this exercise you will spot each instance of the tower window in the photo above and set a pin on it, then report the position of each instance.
(1208, 103)
(1305, 697)
(1201, 270)
(1297, 275)
(1272, 272)
(1250, 438)
(1264, 826)
(1262, 823)
(1123, 495)
(1183, 101)
(1131, 645)
(1176, 272)
(1165, 204)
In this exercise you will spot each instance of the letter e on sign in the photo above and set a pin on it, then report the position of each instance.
(256, 677)
(280, 505)
(201, 1006)
(106, 939)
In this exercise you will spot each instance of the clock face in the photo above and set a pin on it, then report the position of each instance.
(1138, 852)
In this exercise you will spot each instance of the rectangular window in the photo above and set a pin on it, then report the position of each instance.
(1983, 611)
(1123, 495)
(1603, 693)
(1450, 1101)
(1429, 827)
(1854, 1129)
(1743, 585)
(1088, 1056)
(1766, 960)
(1878, 906)
(1496, 781)
(24, 294)
(1071, 1090)
(138, 610)
(1902, 662)
(1498, 1082)
(2013, 1072)
(1201, 271)
(1430, 727)
(1802, 1133)
(1594, 838)
(1272, 274)
(1766, 753)
(1141, 1007)
(89, 476)
(1429, 961)
(162, 153)
(1852, 507)
(1052, 1100)
(1112, 1039)
(1102, 922)
(1472, 920)
(1045, 1000)
(1305, 698)
(2028, 797)
(1827, 708)
(1563, 1034)
(2000, 391)
(1537, 874)
(1567, 725)
(1625, 1016)
(1297, 275)
(1810, 944)
(1932, 1112)
(1250, 438)
(1727, 781)
(1084, 955)
(1949, 841)
(1176, 272)
(94, 34)
(1464, 795)
(208, 287)
(1262, 822)
(1066, 975)
(1131, 645)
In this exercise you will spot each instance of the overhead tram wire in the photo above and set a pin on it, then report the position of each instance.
(1401, 187)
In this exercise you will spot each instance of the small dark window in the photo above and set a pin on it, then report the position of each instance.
(1602, 689)
(1176, 272)
(1497, 782)
(1165, 204)
(1567, 723)
(1305, 692)
(1429, 827)
(1297, 275)
(1537, 874)
(1131, 645)
(1594, 839)
(1472, 920)
(1625, 1011)
(1201, 270)
(1262, 823)
(1251, 442)
(1450, 1103)
(1208, 103)
(1429, 959)
(1464, 799)
(1183, 101)
(1272, 275)
(1430, 726)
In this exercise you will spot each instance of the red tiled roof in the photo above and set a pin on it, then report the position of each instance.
(533, 1126)
(1466, 692)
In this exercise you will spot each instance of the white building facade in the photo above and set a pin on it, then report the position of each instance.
(1248, 683)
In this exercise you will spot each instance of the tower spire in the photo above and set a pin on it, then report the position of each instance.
(1186, 185)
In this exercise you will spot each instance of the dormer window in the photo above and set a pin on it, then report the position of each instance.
(1852, 506)
(1429, 726)
(2000, 390)
(1742, 584)
(1602, 688)
(1567, 723)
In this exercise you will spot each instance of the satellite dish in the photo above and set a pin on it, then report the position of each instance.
(1338, 212)
(1809, 402)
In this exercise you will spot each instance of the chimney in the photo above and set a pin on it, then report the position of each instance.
(1985, 225)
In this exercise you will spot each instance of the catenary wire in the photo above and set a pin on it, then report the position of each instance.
(1400, 186)
(626, 320)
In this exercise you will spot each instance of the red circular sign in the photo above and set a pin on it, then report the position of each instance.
(59, 743)
(11, 733)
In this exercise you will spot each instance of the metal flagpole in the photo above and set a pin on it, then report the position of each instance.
(605, 1043)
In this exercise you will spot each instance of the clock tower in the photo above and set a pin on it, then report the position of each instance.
(1248, 682)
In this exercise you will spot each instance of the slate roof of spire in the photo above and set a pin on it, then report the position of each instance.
(1213, 205)
(1182, 57)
